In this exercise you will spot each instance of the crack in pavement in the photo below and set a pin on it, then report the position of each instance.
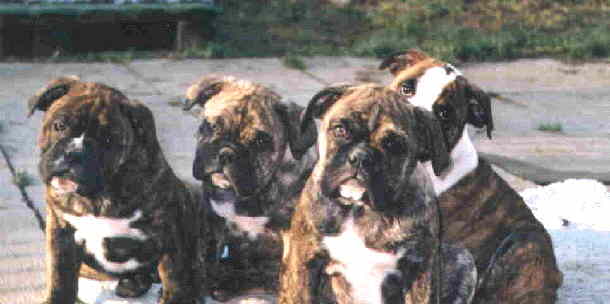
(142, 78)
(24, 195)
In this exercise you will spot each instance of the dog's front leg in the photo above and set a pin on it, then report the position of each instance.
(180, 268)
(320, 289)
(175, 280)
(63, 262)
(416, 272)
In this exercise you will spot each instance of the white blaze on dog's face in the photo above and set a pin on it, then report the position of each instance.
(430, 85)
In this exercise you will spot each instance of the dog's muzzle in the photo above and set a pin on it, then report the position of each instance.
(73, 169)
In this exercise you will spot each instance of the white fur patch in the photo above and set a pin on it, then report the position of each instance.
(352, 192)
(253, 225)
(431, 85)
(77, 142)
(91, 231)
(464, 159)
(364, 268)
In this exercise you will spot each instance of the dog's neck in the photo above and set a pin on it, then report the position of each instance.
(464, 159)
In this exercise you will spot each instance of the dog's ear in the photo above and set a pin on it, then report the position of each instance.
(402, 60)
(299, 140)
(200, 92)
(50, 93)
(431, 140)
(320, 103)
(479, 106)
(143, 123)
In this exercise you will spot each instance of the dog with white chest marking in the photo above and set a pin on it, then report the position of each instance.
(365, 228)
(252, 161)
(513, 251)
(115, 209)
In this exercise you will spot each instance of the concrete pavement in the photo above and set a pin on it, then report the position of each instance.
(541, 91)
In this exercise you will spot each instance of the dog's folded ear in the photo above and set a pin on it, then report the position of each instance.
(431, 140)
(143, 123)
(402, 60)
(299, 140)
(200, 92)
(320, 103)
(50, 93)
(479, 106)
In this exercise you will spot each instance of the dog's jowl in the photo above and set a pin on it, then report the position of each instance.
(513, 251)
(115, 208)
(252, 160)
(365, 229)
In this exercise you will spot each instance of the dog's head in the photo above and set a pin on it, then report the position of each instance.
(370, 142)
(89, 132)
(441, 88)
(245, 134)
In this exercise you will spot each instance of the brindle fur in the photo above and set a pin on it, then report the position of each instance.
(134, 175)
(402, 214)
(271, 180)
(513, 251)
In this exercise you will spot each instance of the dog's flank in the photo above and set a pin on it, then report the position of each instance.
(252, 160)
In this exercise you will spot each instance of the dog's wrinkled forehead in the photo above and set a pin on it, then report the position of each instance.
(241, 105)
(372, 107)
(427, 81)
(85, 112)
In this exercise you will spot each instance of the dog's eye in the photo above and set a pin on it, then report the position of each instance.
(443, 112)
(59, 126)
(206, 128)
(339, 131)
(408, 87)
(262, 140)
(394, 144)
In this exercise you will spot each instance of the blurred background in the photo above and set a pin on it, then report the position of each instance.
(454, 30)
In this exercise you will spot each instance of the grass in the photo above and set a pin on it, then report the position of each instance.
(453, 30)
(550, 127)
(294, 62)
(23, 179)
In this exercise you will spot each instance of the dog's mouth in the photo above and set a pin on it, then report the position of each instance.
(63, 185)
(352, 192)
(221, 187)
(220, 181)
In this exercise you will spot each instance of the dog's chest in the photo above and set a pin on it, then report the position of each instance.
(253, 226)
(91, 233)
(365, 269)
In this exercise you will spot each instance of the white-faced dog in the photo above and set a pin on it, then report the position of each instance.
(513, 251)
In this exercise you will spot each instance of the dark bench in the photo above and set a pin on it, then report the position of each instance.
(41, 28)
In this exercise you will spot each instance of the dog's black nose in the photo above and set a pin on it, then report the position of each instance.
(74, 157)
(360, 158)
(120, 249)
(226, 156)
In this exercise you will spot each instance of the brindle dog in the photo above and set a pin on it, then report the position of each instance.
(113, 203)
(365, 229)
(252, 161)
(513, 251)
